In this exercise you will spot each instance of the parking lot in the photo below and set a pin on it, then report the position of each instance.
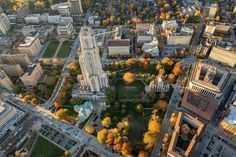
(218, 147)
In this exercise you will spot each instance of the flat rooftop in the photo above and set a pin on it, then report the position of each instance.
(121, 42)
(28, 42)
(203, 106)
(209, 77)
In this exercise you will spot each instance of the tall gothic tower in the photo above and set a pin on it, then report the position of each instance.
(90, 64)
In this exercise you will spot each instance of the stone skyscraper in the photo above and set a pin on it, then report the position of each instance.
(90, 64)
(75, 7)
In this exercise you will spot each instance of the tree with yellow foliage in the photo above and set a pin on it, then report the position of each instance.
(158, 67)
(128, 78)
(101, 136)
(106, 122)
(217, 18)
(58, 104)
(171, 78)
(165, 60)
(154, 126)
(130, 62)
(34, 101)
(60, 114)
(149, 139)
(161, 105)
(143, 154)
(89, 129)
(162, 71)
(173, 119)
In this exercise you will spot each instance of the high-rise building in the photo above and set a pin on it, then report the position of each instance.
(31, 46)
(213, 10)
(12, 69)
(5, 24)
(75, 6)
(89, 60)
(5, 81)
(21, 59)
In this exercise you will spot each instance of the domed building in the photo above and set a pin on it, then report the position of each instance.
(158, 85)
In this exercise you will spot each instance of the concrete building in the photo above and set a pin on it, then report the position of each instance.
(169, 26)
(28, 30)
(209, 81)
(65, 28)
(158, 85)
(213, 10)
(5, 24)
(5, 81)
(32, 76)
(119, 47)
(184, 123)
(7, 40)
(12, 69)
(53, 19)
(75, 7)
(228, 124)
(84, 111)
(64, 10)
(151, 47)
(182, 38)
(146, 36)
(93, 81)
(21, 59)
(31, 47)
(198, 105)
(22, 12)
(225, 55)
(9, 117)
(33, 19)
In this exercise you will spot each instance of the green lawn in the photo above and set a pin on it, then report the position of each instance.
(131, 91)
(51, 49)
(65, 49)
(44, 148)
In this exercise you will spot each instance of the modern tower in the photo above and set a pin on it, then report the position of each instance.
(75, 6)
(5, 24)
(90, 64)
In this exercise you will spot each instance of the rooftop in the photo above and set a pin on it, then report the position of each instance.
(210, 77)
(121, 42)
(2, 74)
(30, 69)
(28, 42)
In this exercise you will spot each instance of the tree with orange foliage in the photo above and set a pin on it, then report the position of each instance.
(130, 62)
(128, 78)
(58, 104)
(171, 78)
(143, 154)
(126, 148)
(89, 129)
(34, 101)
(177, 68)
(149, 139)
(154, 126)
(162, 71)
(161, 105)
(60, 114)
(173, 119)
(101, 136)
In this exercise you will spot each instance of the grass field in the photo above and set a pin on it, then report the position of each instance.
(65, 49)
(51, 49)
(44, 148)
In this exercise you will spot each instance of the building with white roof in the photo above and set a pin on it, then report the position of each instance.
(53, 19)
(119, 47)
(33, 19)
(182, 38)
(158, 85)
(151, 47)
(213, 10)
(65, 28)
(31, 47)
(169, 26)
(84, 111)
(27, 30)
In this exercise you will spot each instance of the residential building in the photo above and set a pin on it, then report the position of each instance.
(209, 81)
(93, 81)
(182, 38)
(31, 47)
(12, 69)
(183, 126)
(213, 10)
(146, 36)
(213, 28)
(225, 55)
(93, 18)
(158, 85)
(5, 24)
(75, 6)
(65, 28)
(119, 47)
(5, 81)
(32, 76)
(21, 59)
(169, 26)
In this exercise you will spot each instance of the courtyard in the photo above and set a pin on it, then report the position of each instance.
(65, 49)
(51, 49)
